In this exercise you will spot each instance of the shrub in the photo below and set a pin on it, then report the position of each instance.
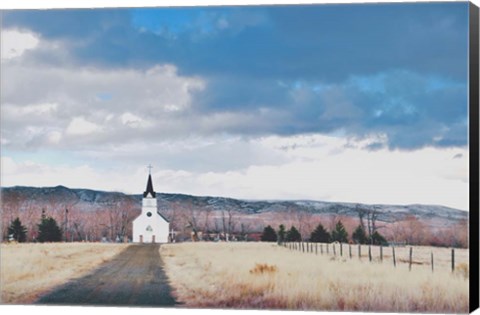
(462, 270)
(359, 236)
(263, 269)
(339, 234)
(320, 235)
(48, 230)
(293, 235)
(17, 231)
(269, 235)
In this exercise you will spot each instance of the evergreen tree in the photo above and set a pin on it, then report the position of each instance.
(320, 235)
(281, 233)
(17, 231)
(378, 239)
(48, 230)
(359, 236)
(293, 235)
(269, 235)
(339, 234)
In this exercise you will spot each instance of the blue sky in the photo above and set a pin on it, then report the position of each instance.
(190, 82)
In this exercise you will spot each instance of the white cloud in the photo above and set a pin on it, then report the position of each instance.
(85, 100)
(54, 137)
(312, 167)
(8, 165)
(41, 175)
(14, 43)
(80, 127)
(130, 119)
(322, 168)
(28, 110)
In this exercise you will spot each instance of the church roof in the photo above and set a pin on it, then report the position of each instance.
(163, 217)
(149, 188)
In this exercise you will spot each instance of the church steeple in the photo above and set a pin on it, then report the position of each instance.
(149, 185)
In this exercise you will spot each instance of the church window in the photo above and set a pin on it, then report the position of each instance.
(149, 214)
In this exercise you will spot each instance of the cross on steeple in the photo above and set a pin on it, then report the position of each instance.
(149, 191)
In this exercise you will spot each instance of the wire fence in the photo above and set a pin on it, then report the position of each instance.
(435, 258)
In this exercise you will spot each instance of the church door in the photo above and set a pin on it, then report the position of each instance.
(141, 238)
(153, 238)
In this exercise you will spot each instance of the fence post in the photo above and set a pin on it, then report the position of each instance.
(350, 250)
(381, 253)
(327, 249)
(307, 247)
(359, 251)
(311, 247)
(341, 249)
(369, 252)
(393, 254)
(321, 249)
(316, 248)
(410, 259)
(303, 247)
(431, 256)
(453, 259)
(334, 253)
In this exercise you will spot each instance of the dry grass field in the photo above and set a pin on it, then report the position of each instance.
(266, 276)
(28, 270)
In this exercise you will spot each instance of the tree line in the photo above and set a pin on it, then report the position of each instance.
(192, 220)
(321, 235)
(48, 230)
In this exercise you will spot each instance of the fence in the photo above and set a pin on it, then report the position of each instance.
(432, 257)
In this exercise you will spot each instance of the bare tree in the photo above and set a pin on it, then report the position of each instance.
(361, 214)
(191, 215)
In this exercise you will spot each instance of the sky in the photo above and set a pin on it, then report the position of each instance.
(334, 102)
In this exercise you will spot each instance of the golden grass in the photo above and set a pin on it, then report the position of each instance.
(28, 270)
(266, 276)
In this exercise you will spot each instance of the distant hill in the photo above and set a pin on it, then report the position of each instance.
(91, 200)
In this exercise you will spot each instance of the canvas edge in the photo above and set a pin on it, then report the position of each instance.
(474, 235)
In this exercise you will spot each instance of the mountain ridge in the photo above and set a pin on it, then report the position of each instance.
(89, 199)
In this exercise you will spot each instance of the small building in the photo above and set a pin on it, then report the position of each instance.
(150, 226)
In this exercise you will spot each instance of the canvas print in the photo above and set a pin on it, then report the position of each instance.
(289, 157)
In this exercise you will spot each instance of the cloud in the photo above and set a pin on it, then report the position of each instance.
(131, 120)
(16, 43)
(319, 41)
(253, 71)
(80, 127)
(340, 102)
(313, 167)
(50, 106)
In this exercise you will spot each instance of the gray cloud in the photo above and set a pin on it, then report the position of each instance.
(244, 72)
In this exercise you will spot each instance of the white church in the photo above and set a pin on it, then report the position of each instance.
(150, 226)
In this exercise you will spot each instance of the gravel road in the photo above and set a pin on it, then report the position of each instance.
(135, 277)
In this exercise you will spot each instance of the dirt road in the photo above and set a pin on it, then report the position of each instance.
(135, 277)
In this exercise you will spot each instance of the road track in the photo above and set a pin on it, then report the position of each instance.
(135, 277)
